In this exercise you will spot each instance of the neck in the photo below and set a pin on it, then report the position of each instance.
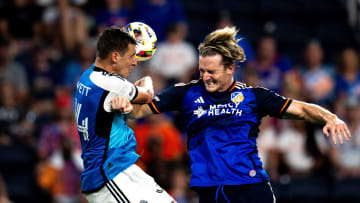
(103, 64)
(228, 85)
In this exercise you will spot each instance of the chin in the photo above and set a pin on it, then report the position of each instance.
(210, 89)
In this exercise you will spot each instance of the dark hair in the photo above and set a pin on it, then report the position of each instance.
(113, 39)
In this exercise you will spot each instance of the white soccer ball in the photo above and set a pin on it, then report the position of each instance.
(145, 37)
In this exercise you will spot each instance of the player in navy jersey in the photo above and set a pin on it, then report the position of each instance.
(108, 144)
(222, 119)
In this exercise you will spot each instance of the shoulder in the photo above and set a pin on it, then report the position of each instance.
(179, 89)
(263, 91)
(193, 83)
(108, 81)
(240, 86)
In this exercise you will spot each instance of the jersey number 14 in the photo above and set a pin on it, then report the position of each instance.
(83, 126)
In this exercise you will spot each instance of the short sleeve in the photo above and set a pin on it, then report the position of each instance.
(127, 89)
(270, 103)
(115, 84)
(169, 99)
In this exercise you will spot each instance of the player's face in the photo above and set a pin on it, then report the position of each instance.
(127, 62)
(216, 77)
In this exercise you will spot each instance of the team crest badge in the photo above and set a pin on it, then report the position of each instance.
(237, 97)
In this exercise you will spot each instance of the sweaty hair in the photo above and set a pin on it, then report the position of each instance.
(223, 42)
(113, 39)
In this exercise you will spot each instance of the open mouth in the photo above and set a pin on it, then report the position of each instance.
(210, 83)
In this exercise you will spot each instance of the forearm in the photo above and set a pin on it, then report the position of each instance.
(309, 112)
(140, 111)
(313, 113)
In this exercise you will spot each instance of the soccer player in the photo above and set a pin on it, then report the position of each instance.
(222, 118)
(108, 144)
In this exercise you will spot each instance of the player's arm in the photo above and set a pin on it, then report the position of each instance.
(145, 90)
(136, 111)
(316, 114)
(169, 99)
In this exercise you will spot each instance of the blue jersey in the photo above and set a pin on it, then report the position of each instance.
(108, 144)
(222, 129)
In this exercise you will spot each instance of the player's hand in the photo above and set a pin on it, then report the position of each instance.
(337, 127)
(142, 81)
(121, 104)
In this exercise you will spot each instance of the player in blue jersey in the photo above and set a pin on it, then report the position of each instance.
(222, 120)
(108, 144)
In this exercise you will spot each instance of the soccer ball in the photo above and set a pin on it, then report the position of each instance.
(145, 37)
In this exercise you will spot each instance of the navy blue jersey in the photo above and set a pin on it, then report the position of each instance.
(222, 129)
(108, 144)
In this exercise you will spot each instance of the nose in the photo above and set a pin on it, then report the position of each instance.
(134, 62)
(206, 76)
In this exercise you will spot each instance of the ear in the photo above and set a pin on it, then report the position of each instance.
(115, 56)
(230, 69)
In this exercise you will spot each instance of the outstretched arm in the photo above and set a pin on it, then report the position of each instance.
(315, 114)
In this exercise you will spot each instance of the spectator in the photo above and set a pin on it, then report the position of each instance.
(347, 79)
(43, 73)
(318, 78)
(53, 133)
(114, 14)
(10, 111)
(24, 26)
(172, 147)
(269, 65)
(65, 22)
(175, 59)
(240, 74)
(76, 66)
(180, 179)
(158, 14)
(12, 72)
(347, 157)
(61, 180)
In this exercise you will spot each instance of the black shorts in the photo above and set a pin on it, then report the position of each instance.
(250, 193)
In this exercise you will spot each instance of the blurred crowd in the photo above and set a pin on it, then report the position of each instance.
(45, 45)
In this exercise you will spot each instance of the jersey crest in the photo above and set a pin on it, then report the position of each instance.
(237, 97)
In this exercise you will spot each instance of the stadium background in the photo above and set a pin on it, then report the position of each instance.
(302, 49)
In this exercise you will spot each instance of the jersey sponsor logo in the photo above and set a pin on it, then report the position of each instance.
(222, 109)
(237, 97)
(252, 173)
(199, 100)
(200, 111)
